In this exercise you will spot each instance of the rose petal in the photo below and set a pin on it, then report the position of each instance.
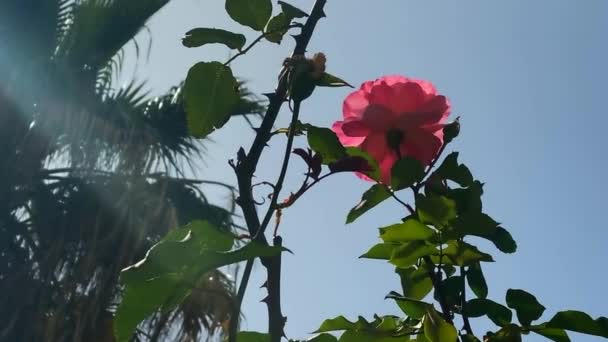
(378, 118)
(345, 139)
(355, 128)
(375, 145)
(422, 145)
(355, 104)
(393, 79)
(408, 98)
(386, 167)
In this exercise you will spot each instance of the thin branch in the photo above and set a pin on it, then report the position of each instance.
(234, 319)
(257, 40)
(287, 156)
(418, 186)
(465, 318)
(247, 163)
(406, 205)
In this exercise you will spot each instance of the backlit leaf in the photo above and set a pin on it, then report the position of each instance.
(436, 329)
(211, 93)
(371, 198)
(252, 13)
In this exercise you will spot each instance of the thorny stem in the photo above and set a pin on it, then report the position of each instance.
(245, 169)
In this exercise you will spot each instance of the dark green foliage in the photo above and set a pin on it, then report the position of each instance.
(325, 142)
(88, 174)
(252, 13)
(371, 198)
(211, 94)
(405, 173)
(526, 306)
(202, 35)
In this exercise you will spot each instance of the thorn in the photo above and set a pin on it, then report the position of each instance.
(270, 96)
(264, 285)
(323, 15)
(265, 300)
(241, 155)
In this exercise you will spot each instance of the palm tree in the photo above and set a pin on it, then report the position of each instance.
(91, 176)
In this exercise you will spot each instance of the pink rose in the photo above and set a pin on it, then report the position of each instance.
(394, 117)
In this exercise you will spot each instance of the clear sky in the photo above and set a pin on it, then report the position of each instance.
(528, 79)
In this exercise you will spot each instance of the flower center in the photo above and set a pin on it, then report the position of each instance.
(394, 137)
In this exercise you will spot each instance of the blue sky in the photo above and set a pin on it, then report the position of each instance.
(528, 80)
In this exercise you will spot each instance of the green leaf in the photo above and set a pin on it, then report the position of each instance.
(252, 13)
(526, 306)
(141, 299)
(335, 324)
(371, 198)
(252, 336)
(211, 93)
(468, 200)
(476, 280)
(557, 335)
(408, 254)
(201, 36)
(367, 336)
(323, 338)
(451, 170)
(451, 289)
(292, 11)
(374, 173)
(410, 230)
(449, 269)
(509, 333)
(478, 224)
(381, 251)
(436, 329)
(165, 277)
(406, 172)
(379, 325)
(277, 27)
(462, 254)
(435, 210)
(503, 240)
(325, 142)
(579, 322)
(279, 24)
(329, 80)
(411, 307)
(469, 338)
(499, 314)
(415, 282)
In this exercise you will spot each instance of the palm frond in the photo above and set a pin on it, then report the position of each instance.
(103, 26)
(78, 230)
